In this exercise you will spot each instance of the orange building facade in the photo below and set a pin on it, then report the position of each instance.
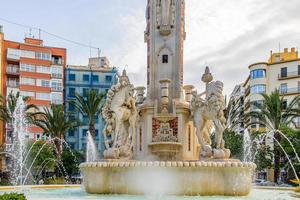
(34, 70)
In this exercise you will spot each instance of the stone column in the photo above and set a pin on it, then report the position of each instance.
(164, 87)
(188, 92)
(140, 92)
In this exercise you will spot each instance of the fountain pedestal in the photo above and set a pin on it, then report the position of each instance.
(168, 177)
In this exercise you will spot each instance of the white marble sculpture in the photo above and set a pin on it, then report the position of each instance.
(120, 114)
(206, 112)
(165, 15)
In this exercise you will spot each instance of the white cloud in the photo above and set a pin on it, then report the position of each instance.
(227, 35)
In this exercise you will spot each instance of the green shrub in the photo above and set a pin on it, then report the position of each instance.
(12, 196)
(55, 181)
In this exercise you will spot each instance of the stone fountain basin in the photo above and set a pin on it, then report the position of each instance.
(227, 177)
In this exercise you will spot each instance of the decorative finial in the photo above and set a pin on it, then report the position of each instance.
(124, 73)
(207, 76)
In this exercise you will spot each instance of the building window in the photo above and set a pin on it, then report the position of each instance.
(283, 88)
(84, 132)
(43, 96)
(95, 90)
(141, 139)
(56, 85)
(258, 73)
(27, 94)
(258, 89)
(71, 107)
(108, 79)
(71, 133)
(95, 78)
(86, 77)
(43, 82)
(42, 56)
(72, 145)
(27, 81)
(297, 122)
(255, 105)
(57, 60)
(57, 71)
(85, 119)
(85, 91)
(71, 92)
(72, 118)
(284, 104)
(72, 77)
(96, 133)
(27, 67)
(189, 138)
(56, 98)
(165, 59)
(283, 72)
(43, 69)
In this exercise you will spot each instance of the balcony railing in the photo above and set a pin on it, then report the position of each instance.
(289, 91)
(56, 101)
(56, 75)
(13, 69)
(13, 84)
(289, 75)
(57, 89)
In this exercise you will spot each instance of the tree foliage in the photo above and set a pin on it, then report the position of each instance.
(55, 123)
(274, 113)
(90, 106)
(44, 154)
(234, 142)
(9, 104)
(71, 160)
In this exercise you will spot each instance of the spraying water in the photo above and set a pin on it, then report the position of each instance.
(247, 146)
(20, 127)
(91, 149)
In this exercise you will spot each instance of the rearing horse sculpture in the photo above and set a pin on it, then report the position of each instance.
(208, 112)
(120, 114)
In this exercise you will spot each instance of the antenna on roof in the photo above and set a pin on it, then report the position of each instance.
(99, 52)
(30, 32)
(40, 34)
(90, 49)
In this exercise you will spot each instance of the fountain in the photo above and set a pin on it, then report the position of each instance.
(247, 147)
(20, 127)
(152, 150)
(161, 142)
(91, 149)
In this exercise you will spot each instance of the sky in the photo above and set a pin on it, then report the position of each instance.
(226, 35)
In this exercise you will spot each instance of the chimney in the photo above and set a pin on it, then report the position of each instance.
(286, 50)
(293, 49)
(1, 29)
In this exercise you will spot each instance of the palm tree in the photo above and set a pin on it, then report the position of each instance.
(9, 104)
(90, 106)
(55, 123)
(274, 113)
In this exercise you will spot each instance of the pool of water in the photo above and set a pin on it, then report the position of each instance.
(79, 194)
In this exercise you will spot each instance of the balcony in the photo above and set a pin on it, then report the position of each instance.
(290, 91)
(56, 75)
(13, 69)
(57, 60)
(289, 75)
(13, 84)
(56, 101)
(57, 89)
(13, 54)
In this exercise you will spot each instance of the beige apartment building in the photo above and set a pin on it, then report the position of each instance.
(281, 71)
